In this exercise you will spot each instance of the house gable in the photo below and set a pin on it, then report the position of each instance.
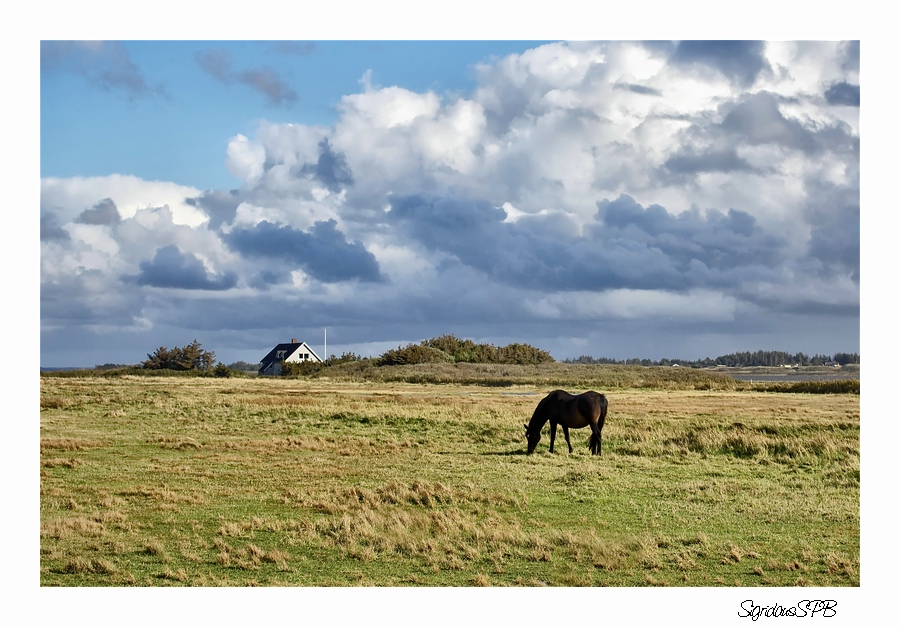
(292, 352)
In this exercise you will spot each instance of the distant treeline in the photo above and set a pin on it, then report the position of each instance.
(759, 358)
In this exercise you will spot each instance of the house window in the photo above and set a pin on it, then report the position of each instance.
(279, 355)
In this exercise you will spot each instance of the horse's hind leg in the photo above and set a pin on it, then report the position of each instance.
(566, 433)
(553, 434)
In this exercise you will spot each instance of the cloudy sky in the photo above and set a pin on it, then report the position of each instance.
(619, 199)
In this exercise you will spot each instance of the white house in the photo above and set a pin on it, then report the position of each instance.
(294, 352)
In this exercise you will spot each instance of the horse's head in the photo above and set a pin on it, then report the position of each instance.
(533, 436)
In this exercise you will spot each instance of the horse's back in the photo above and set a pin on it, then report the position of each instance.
(593, 404)
(562, 405)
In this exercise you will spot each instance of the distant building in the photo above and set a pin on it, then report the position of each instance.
(294, 352)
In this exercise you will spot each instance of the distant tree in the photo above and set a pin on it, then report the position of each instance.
(846, 358)
(190, 357)
(343, 359)
(243, 366)
(161, 359)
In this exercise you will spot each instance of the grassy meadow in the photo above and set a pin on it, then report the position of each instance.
(190, 481)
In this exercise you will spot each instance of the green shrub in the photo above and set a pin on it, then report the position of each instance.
(413, 354)
(465, 351)
(300, 368)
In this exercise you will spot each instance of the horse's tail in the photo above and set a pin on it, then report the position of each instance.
(601, 419)
(595, 444)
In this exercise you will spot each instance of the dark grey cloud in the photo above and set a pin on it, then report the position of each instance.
(757, 120)
(104, 212)
(265, 80)
(220, 206)
(331, 169)
(850, 50)
(638, 89)
(751, 120)
(688, 162)
(843, 93)
(106, 65)
(720, 241)
(739, 61)
(265, 279)
(323, 251)
(298, 48)
(832, 212)
(172, 268)
(84, 298)
(50, 230)
(217, 63)
(628, 245)
(537, 253)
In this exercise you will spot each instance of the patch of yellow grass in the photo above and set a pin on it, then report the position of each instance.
(69, 444)
(59, 528)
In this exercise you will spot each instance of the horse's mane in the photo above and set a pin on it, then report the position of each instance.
(539, 418)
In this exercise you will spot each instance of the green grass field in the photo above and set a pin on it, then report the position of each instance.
(160, 481)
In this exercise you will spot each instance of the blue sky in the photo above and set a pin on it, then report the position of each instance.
(619, 199)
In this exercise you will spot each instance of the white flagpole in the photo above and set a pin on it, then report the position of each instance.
(326, 344)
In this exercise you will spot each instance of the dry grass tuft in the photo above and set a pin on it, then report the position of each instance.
(69, 444)
(839, 564)
(177, 575)
(79, 565)
(165, 495)
(178, 443)
(60, 528)
(154, 547)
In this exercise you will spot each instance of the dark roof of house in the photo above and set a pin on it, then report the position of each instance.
(270, 357)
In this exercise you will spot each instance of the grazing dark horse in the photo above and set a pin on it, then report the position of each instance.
(568, 411)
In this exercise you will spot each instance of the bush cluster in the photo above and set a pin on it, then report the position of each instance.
(450, 349)
(413, 354)
(190, 357)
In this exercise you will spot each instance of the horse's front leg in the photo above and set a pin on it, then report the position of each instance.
(552, 434)
(566, 433)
